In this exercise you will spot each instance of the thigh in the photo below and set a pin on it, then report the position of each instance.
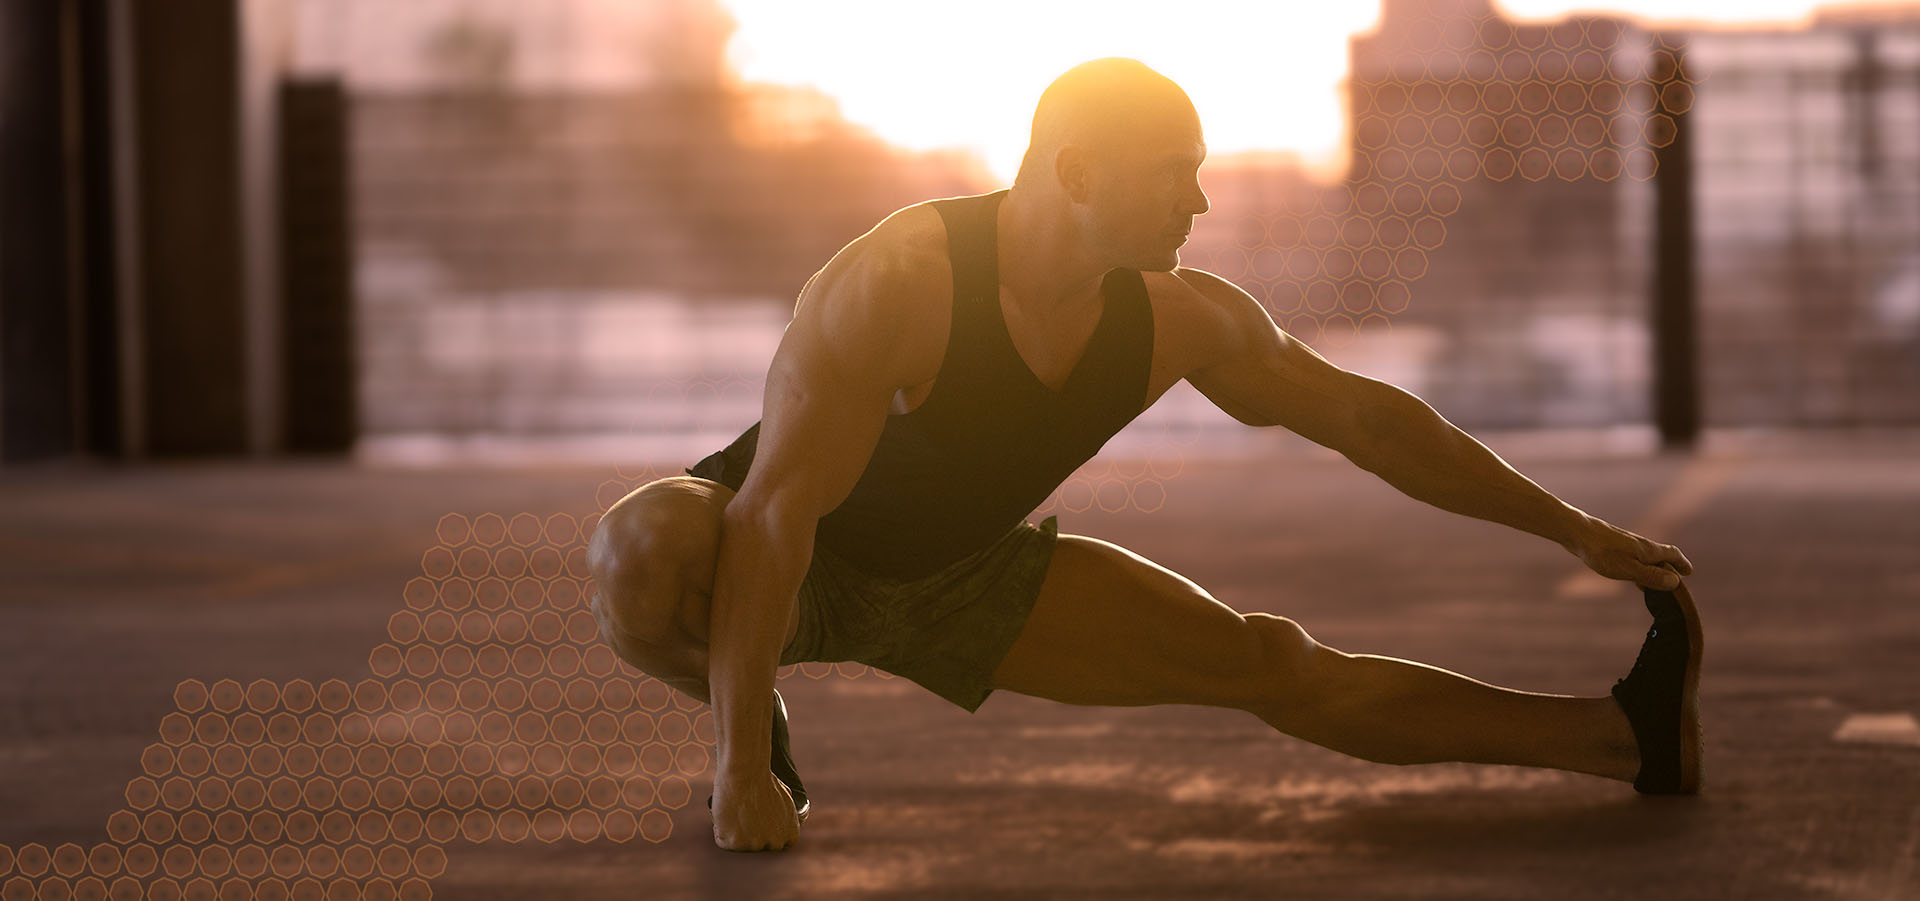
(1111, 627)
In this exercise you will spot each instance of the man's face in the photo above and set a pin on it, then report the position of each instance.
(1146, 193)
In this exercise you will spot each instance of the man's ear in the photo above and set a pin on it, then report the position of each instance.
(1071, 167)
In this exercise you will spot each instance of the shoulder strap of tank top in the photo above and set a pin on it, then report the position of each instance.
(968, 233)
(976, 279)
(1128, 357)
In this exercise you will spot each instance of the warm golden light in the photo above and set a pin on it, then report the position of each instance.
(927, 75)
(1265, 75)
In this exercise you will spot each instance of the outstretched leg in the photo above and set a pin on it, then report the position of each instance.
(1113, 628)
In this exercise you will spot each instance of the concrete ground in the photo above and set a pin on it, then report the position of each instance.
(132, 594)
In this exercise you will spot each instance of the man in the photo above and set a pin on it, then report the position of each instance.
(944, 372)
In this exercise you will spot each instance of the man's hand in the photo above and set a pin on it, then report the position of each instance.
(754, 814)
(1619, 554)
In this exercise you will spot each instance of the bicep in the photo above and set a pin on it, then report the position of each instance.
(850, 346)
(1267, 377)
(818, 428)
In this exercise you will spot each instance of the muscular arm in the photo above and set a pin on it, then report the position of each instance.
(850, 345)
(1266, 377)
(1416, 450)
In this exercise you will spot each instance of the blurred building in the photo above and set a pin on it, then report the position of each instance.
(607, 247)
(671, 176)
(252, 227)
(1808, 162)
(1499, 206)
(1487, 246)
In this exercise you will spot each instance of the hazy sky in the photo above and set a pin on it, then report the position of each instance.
(1265, 74)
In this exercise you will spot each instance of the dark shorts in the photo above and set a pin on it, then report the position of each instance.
(947, 631)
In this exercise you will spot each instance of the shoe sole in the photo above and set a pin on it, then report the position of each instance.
(1692, 753)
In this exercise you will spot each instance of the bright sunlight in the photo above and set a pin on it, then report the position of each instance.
(1266, 75)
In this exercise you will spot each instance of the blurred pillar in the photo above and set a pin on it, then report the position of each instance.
(40, 390)
(1676, 370)
(139, 286)
(264, 52)
(187, 152)
(316, 253)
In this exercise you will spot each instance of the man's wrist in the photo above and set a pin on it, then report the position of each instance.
(1579, 529)
(735, 772)
(735, 761)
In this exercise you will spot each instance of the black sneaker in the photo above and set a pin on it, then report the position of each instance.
(1661, 694)
(783, 768)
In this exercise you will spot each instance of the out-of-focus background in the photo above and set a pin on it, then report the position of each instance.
(331, 325)
(452, 227)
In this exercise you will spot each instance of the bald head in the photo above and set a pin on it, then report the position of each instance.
(1114, 163)
(1100, 106)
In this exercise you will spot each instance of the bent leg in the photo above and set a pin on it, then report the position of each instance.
(1113, 628)
(652, 558)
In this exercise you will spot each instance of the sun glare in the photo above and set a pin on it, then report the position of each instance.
(1265, 75)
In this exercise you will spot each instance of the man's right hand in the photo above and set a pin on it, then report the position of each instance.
(1617, 553)
(754, 814)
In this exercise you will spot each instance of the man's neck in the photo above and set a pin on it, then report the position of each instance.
(1044, 261)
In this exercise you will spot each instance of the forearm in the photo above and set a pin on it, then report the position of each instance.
(757, 575)
(1412, 447)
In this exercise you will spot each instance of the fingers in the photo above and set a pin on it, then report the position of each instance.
(1668, 555)
(1659, 555)
(1626, 555)
(744, 846)
(753, 819)
(1660, 578)
(739, 841)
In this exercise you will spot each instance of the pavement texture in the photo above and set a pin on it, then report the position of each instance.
(241, 680)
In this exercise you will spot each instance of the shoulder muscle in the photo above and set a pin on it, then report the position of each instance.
(1265, 376)
(874, 305)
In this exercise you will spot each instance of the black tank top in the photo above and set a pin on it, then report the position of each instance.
(990, 442)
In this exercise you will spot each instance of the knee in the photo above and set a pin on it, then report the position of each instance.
(640, 557)
(647, 527)
(1292, 667)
